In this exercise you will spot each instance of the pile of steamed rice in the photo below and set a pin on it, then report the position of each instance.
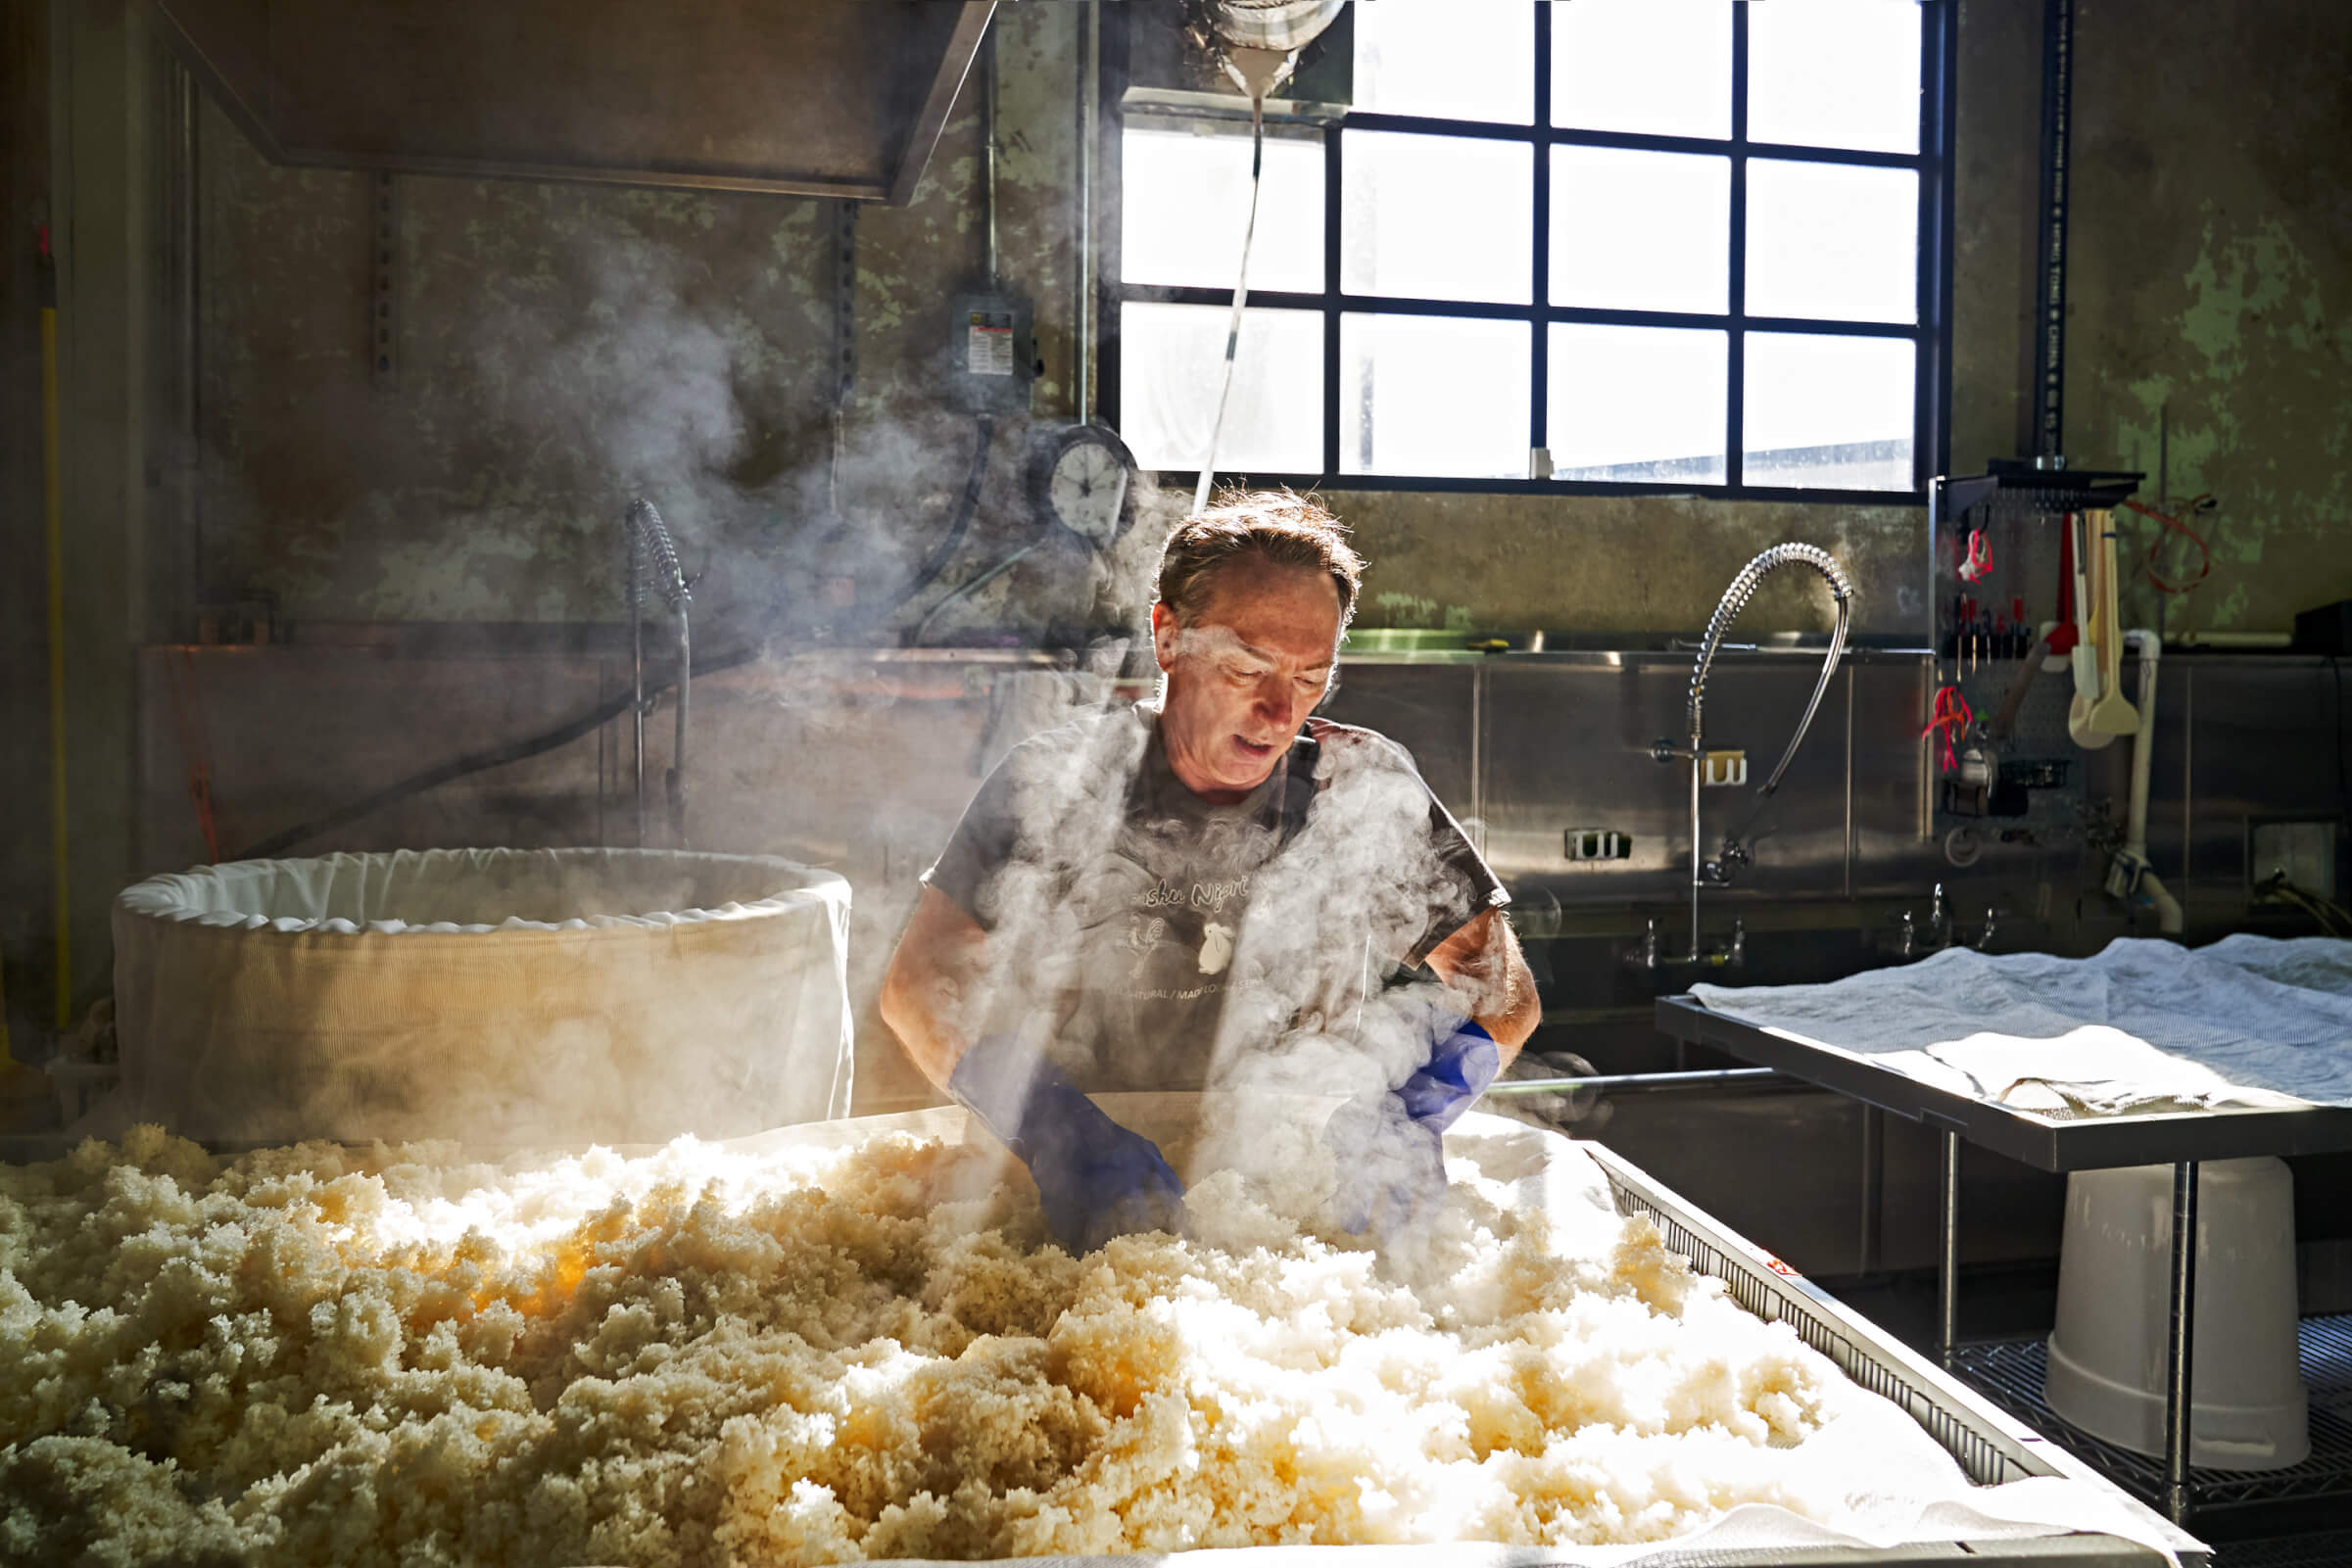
(705, 1356)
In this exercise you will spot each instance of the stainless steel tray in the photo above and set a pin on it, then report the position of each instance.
(1991, 1447)
(2046, 1143)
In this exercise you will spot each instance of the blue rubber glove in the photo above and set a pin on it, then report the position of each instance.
(1391, 1150)
(1095, 1178)
(1462, 1064)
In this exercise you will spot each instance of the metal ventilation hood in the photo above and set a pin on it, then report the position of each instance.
(839, 98)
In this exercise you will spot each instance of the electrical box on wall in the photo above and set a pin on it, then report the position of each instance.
(1597, 843)
(2301, 855)
(991, 353)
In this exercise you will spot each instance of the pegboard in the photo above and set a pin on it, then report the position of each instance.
(2009, 524)
(2037, 738)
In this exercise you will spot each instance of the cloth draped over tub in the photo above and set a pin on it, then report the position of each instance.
(499, 997)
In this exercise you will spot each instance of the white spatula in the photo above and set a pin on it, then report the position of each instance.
(2110, 714)
(2083, 657)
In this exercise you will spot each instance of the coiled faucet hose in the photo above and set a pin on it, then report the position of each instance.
(654, 554)
(1743, 588)
(1735, 599)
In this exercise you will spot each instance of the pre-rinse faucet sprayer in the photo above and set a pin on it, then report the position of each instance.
(1718, 872)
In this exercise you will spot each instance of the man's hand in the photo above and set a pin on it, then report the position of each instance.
(1095, 1178)
(1462, 1061)
(1390, 1150)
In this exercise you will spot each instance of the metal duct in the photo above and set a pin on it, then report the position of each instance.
(841, 98)
(1280, 25)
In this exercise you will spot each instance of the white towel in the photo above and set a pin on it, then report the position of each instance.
(2144, 1026)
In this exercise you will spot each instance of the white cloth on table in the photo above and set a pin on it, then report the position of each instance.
(2144, 1026)
(2311, 963)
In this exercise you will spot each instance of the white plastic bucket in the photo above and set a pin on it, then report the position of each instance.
(2249, 1409)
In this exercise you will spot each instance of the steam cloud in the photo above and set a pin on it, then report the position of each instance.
(1307, 1017)
(659, 387)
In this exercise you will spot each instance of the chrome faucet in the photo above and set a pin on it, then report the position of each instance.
(1905, 942)
(1650, 954)
(1718, 872)
(653, 561)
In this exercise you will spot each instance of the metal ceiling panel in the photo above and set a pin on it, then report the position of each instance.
(839, 98)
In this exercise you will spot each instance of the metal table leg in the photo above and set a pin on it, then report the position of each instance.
(1948, 1279)
(1874, 1187)
(2181, 1349)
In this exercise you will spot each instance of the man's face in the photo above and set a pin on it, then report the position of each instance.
(1245, 674)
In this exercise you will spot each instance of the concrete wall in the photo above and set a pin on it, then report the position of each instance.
(103, 207)
(26, 958)
(2215, 285)
(1605, 563)
(2209, 336)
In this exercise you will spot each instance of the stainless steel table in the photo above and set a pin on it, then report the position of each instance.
(2182, 1140)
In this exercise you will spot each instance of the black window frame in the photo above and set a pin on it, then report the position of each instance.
(1931, 331)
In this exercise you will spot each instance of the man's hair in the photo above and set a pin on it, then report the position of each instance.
(1277, 527)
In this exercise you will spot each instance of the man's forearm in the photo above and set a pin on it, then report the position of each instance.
(1512, 1026)
(930, 994)
(1482, 967)
(932, 1046)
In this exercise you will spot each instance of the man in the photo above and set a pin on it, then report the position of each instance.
(1216, 889)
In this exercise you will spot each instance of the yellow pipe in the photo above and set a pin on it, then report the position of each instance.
(54, 521)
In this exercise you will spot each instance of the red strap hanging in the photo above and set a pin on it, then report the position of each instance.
(2156, 544)
(1952, 716)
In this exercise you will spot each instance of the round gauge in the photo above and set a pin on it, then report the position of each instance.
(1086, 477)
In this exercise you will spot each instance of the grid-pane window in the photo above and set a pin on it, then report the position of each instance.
(1175, 353)
(1690, 245)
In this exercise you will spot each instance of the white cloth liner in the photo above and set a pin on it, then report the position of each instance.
(444, 892)
(1900, 1484)
(495, 996)
(2146, 1026)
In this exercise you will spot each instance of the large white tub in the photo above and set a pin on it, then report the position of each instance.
(503, 997)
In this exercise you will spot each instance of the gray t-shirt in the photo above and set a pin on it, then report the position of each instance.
(1145, 936)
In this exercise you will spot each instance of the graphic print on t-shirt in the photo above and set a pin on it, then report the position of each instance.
(1169, 898)
(1148, 931)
